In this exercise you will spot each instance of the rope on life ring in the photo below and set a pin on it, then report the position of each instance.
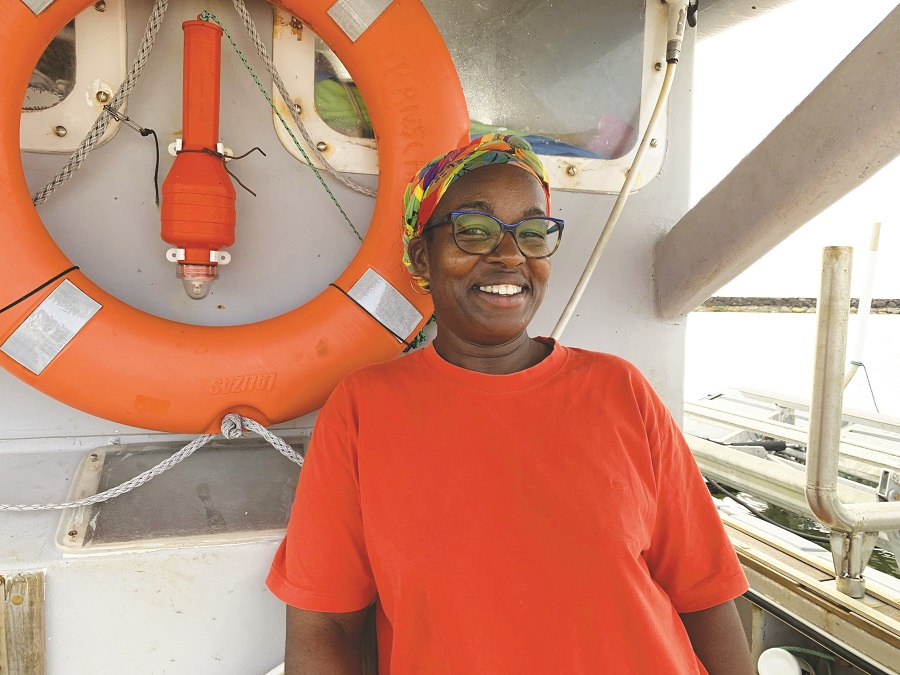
(82, 346)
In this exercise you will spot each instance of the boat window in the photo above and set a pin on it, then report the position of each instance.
(569, 80)
(76, 75)
(53, 77)
(227, 492)
(575, 82)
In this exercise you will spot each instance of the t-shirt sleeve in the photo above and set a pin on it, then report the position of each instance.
(322, 564)
(690, 555)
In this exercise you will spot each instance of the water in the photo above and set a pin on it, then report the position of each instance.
(775, 352)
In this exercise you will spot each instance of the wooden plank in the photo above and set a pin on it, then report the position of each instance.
(22, 624)
(836, 603)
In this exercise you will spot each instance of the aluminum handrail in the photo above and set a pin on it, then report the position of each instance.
(826, 406)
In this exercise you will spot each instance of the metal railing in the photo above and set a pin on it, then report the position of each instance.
(854, 527)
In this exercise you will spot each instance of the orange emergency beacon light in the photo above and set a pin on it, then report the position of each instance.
(198, 198)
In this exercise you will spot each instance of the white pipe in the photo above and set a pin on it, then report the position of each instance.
(674, 38)
(865, 307)
(825, 408)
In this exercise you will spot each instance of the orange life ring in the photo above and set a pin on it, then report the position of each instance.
(131, 367)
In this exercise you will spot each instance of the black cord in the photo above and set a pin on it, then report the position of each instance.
(146, 132)
(759, 514)
(143, 131)
(39, 288)
(866, 373)
(223, 157)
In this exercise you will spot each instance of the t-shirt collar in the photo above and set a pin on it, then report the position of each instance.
(524, 379)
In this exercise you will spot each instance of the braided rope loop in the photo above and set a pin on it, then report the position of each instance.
(118, 100)
(232, 428)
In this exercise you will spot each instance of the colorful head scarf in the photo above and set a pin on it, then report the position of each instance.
(430, 183)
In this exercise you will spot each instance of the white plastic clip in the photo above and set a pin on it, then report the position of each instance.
(220, 257)
(175, 147)
(175, 254)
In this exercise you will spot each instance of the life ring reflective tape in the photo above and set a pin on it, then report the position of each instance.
(82, 346)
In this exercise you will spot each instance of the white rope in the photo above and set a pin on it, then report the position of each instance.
(232, 428)
(118, 100)
(263, 55)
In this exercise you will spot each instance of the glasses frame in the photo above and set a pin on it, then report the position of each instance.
(504, 228)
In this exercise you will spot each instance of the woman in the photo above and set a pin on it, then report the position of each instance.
(513, 505)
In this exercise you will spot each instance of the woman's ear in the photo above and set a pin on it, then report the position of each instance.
(418, 256)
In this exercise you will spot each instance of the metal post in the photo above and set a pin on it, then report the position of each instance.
(853, 529)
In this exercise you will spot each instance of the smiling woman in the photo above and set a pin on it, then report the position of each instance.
(485, 301)
(509, 505)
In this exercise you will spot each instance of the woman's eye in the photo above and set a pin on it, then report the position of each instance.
(532, 234)
(471, 231)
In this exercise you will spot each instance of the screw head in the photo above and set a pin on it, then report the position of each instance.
(73, 534)
(321, 146)
(93, 456)
(103, 96)
(60, 131)
(100, 6)
(298, 108)
(572, 170)
(653, 142)
(658, 66)
(295, 23)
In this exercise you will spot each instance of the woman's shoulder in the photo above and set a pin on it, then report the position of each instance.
(403, 367)
(605, 360)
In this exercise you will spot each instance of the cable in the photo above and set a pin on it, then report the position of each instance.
(613, 218)
(868, 381)
(225, 158)
(679, 11)
(39, 288)
(127, 121)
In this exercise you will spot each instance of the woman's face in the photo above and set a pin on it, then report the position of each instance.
(465, 287)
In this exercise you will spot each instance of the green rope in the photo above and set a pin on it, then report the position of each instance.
(209, 16)
(812, 652)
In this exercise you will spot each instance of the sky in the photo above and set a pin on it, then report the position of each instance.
(763, 68)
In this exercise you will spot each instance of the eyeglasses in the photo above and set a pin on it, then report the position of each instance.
(480, 233)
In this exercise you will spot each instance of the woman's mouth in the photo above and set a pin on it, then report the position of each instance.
(501, 289)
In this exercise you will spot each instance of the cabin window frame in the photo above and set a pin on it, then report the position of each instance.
(293, 53)
(100, 65)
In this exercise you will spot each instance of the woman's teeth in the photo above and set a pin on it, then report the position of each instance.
(502, 289)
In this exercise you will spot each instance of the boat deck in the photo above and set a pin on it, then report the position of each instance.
(796, 577)
(870, 442)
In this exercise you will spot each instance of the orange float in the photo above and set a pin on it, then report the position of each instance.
(73, 341)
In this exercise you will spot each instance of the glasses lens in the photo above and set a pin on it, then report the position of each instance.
(537, 237)
(476, 232)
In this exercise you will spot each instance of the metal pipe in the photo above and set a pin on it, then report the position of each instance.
(825, 408)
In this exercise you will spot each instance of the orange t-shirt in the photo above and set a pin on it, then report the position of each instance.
(548, 521)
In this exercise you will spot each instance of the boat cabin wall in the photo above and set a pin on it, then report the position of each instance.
(292, 242)
(203, 608)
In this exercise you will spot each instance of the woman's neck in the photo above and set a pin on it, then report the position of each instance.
(510, 357)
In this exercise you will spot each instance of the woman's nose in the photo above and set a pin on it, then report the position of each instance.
(507, 250)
